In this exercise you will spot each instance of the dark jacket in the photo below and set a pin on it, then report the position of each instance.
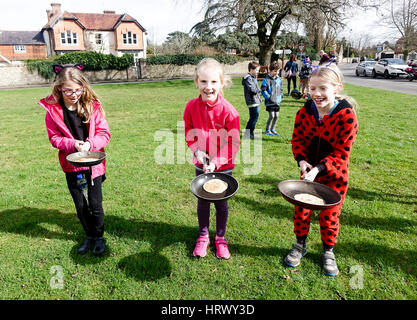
(251, 89)
(305, 71)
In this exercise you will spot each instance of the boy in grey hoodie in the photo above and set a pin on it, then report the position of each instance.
(252, 97)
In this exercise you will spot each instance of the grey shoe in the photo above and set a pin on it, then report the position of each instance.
(329, 264)
(293, 259)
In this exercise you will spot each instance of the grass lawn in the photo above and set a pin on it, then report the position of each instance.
(151, 222)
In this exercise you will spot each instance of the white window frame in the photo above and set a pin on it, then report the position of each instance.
(19, 48)
(130, 38)
(69, 38)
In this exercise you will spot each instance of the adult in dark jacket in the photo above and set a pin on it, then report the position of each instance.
(252, 97)
(291, 69)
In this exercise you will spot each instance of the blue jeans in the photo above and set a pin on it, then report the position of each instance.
(253, 119)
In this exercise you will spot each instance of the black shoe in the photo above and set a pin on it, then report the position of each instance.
(88, 243)
(99, 247)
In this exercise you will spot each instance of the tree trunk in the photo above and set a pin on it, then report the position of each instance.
(265, 53)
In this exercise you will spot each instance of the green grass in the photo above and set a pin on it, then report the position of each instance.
(151, 222)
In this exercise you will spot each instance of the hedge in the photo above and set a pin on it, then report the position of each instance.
(182, 59)
(93, 61)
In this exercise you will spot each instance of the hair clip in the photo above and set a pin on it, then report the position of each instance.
(59, 67)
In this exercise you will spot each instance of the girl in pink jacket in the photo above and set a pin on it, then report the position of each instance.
(212, 132)
(75, 121)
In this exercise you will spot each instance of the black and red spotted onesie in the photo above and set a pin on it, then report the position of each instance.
(325, 144)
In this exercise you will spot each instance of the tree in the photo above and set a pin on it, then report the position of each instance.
(263, 19)
(401, 15)
(178, 42)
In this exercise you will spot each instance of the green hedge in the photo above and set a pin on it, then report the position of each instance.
(182, 59)
(93, 61)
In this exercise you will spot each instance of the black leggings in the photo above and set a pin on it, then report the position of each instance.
(91, 214)
(294, 82)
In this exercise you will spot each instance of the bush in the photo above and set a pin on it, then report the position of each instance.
(182, 59)
(93, 61)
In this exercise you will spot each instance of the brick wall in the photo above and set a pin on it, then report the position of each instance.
(32, 52)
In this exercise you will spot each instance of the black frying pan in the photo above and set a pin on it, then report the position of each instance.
(289, 188)
(93, 157)
(198, 190)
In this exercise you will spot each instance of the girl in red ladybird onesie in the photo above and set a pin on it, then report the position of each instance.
(324, 132)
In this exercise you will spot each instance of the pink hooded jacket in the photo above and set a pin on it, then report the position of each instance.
(213, 128)
(61, 138)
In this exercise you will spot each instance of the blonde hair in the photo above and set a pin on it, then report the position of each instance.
(332, 74)
(216, 65)
(85, 105)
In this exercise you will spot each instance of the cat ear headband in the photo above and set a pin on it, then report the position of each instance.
(59, 67)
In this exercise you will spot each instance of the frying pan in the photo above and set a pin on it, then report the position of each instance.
(289, 188)
(198, 190)
(96, 157)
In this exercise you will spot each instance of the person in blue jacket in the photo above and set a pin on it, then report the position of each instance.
(271, 89)
(252, 97)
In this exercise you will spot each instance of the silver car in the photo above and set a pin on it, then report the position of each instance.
(365, 68)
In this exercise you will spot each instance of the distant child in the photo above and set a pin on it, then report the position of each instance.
(324, 132)
(291, 69)
(271, 89)
(305, 73)
(252, 97)
(75, 121)
(212, 132)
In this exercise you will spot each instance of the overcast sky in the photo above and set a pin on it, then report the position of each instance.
(158, 17)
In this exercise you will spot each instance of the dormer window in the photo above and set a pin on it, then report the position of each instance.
(130, 38)
(69, 38)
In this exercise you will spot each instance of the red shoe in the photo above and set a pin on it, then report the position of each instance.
(222, 248)
(200, 249)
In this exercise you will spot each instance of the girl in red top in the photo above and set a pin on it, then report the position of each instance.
(75, 122)
(212, 132)
(324, 132)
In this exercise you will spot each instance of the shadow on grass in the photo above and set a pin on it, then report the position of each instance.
(381, 257)
(380, 195)
(142, 266)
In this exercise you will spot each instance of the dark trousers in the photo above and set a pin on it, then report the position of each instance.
(203, 213)
(91, 214)
(294, 82)
(253, 119)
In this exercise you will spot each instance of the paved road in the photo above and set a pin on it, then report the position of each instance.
(400, 85)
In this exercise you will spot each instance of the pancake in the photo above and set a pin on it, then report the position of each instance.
(86, 159)
(309, 198)
(215, 186)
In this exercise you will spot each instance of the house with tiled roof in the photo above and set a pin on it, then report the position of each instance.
(105, 32)
(21, 45)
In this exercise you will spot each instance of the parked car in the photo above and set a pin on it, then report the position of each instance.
(354, 60)
(365, 68)
(366, 59)
(390, 68)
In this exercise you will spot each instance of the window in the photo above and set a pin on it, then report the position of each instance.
(19, 48)
(69, 38)
(99, 39)
(130, 38)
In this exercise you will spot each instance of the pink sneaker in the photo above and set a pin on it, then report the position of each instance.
(222, 249)
(200, 249)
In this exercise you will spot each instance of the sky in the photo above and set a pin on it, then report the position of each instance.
(158, 17)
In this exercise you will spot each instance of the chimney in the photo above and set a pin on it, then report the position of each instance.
(56, 8)
(109, 12)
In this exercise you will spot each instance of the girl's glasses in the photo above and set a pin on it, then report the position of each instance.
(71, 92)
